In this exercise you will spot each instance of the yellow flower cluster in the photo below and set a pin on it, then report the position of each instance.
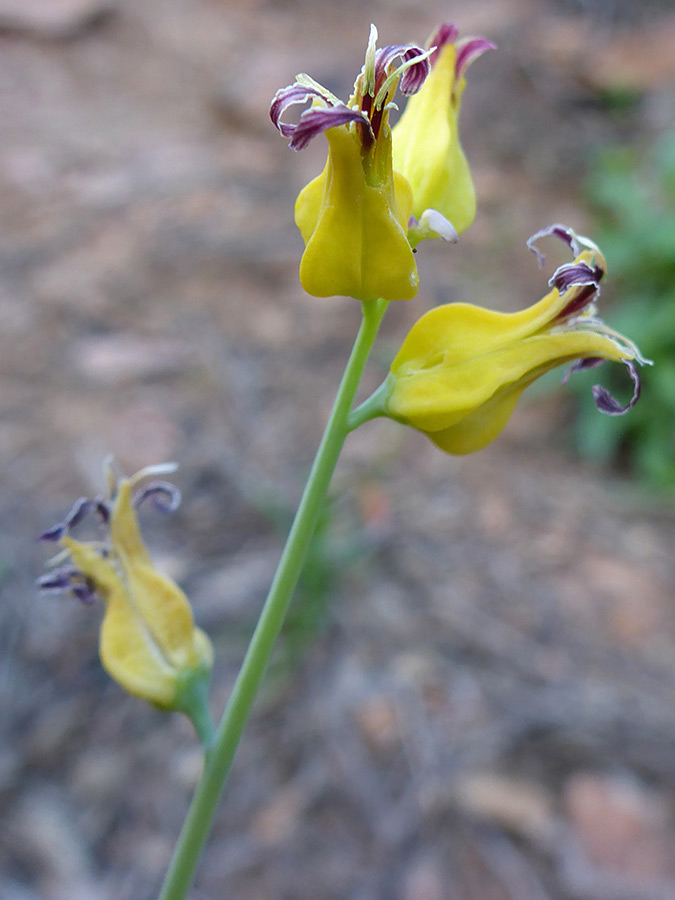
(461, 368)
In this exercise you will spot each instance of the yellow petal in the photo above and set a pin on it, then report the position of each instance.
(124, 530)
(461, 331)
(481, 427)
(437, 398)
(128, 650)
(355, 231)
(426, 148)
(157, 600)
(131, 656)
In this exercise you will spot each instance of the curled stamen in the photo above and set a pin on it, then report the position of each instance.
(292, 95)
(68, 578)
(74, 517)
(575, 273)
(316, 120)
(560, 231)
(576, 242)
(581, 302)
(604, 401)
(412, 71)
(57, 580)
(610, 405)
(85, 591)
(103, 509)
(165, 496)
(431, 224)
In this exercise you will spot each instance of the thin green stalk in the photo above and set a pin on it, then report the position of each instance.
(220, 754)
(371, 408)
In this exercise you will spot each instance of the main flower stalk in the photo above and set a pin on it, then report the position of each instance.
(221, 753)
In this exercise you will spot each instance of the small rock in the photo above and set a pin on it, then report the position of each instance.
(632, 596)
(378, 722)
(278, 821)
(621, 827)
(123, 358)
(522, 807)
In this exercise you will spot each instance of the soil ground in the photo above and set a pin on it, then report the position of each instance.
(474, 699)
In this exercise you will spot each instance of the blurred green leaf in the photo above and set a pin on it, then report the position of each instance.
(633, 199)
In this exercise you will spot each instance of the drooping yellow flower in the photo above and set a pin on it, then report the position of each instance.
(354, 216)
(148, 640)
(426, 147)
(462, 368)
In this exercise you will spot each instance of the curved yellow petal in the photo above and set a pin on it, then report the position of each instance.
(480, 427)
(157, 600)
(426, 147)
(131, 656)
(436, 398)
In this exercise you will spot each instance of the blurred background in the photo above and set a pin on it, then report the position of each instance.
(474, 697)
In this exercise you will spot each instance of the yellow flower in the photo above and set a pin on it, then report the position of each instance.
(462, 368)
(354, 216)
(426, 148)
(148, 640)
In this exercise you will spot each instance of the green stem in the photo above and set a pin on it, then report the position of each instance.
(218, 759)
(371, 408)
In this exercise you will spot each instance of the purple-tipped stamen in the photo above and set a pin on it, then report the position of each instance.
(413, 77)
(68, 578)
(85, 591)
(317, 120)
(575, 273)
(580, 365)
(165, 496)
(434, 222)
(57, 580)
(610, 405)
(581, 298)
(602, 397)
(468, 51)
(290, 96)
(78, 511)
(586, 279)
(560, 231)
(103, 510)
